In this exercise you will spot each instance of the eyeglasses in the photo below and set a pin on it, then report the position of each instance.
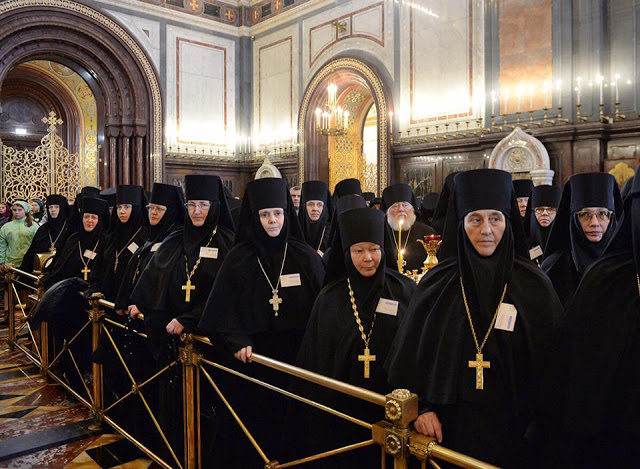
(541, 210)
(191, 206)
(156, 208)
(601, 215)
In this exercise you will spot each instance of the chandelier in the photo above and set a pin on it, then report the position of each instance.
(334, 120)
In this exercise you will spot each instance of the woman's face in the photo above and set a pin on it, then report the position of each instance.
(124, 212)
(18, 212)
(54, 210)
(35, 208)
(3, 208)
(89, 221)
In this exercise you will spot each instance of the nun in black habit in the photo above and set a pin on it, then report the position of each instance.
(166, 215)
(334, 346)
(82, 249)
(261, 302)
(399, 203)
(50, 236)
(544, 199)
(75, 216)
(600, 343)
(475, 337)
(315, 202)
(440, 212)
(427, 208)
(344, 203)
(590, 203)
(127, 232)
(523, 189)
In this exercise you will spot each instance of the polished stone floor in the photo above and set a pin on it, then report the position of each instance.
(42, 426)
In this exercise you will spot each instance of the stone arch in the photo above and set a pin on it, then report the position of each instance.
(522, 154)
(117, 69)
(347, 70)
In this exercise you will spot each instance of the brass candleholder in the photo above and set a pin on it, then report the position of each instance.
(559, 117)
(545, 118)
(431, 244)
(603, 119)
(505, 125)
(493, 124)
(480, 129)
(619, 116)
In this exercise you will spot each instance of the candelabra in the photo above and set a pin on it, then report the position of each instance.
(618, 115)
(559, 117)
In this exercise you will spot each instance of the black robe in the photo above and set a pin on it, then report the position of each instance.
(414, 252)
(434, 345)
(238, 314)
(331, 346)
(45, 237)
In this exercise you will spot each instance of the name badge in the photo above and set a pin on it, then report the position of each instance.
(389, 307)
(155, 247)
(133, 247)
(321, 253)
(209, 253)
(506, 319)
(89, 254)
(290, 280)
(535, 252)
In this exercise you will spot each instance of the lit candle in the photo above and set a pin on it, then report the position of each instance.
(493, 103)
(519, 95)
(346, 119)
(506, 100)
(545, 90)
(578, 82)
(318, 117)
(559, 87)
(617, 77)
(400, 256)
(601, 81)
(531, 97)
(391, 122)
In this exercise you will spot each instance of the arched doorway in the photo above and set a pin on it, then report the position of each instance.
(115, 68)
(359, 89)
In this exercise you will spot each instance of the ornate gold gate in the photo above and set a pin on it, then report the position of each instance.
(50, 169)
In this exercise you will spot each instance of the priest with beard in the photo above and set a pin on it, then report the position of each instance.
(474, 340)
(166, 215)
(261, 302)
(601, 349)
(352, 325)
(401, 207)
(82, 249)
(127, 232)
(51, 236)
(584, 225)
(523, 189)
(538, 219)
(315, 214)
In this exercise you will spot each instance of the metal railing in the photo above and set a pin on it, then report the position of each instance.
(394, 435)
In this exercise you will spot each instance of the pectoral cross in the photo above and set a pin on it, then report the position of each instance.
(275, 301)
(187, 290)
(366, 358)
(52, 249)
(86, 271)
(479, 364)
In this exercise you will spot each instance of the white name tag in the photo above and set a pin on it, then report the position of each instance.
(290, 280)
(506, 319)
(209, 253)
(133, 247)
(89, 254)
(155, 247)
(535, 252)
(389, 307)
(321, 253)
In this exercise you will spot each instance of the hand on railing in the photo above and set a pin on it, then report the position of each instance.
(428, 424)
(244, 354)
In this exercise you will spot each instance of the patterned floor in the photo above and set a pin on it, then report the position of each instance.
(42, 426)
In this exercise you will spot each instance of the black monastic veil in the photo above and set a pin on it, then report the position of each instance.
(434, 344)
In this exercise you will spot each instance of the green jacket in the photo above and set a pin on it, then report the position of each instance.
(15, 239)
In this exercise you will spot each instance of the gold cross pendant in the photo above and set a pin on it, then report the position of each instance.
(275, 301)
(479, 364)
(367, 358)
(187, 290)
(86, 271)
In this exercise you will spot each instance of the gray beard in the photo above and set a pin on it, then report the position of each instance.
(409, 220)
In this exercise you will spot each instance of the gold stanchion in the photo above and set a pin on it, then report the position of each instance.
(95, 314)
(400, 410)
(190, 359)
(44, 349)
(11, 336)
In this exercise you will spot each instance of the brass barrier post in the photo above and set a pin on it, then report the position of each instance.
(95, 314)
(11, 337)
(44, 336)
(190, 359)
(400, 410)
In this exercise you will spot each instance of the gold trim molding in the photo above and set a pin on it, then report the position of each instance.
(380, 100)
(136, 50)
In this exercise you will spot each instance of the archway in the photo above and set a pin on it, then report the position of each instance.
(118, 72)
(313, 157)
